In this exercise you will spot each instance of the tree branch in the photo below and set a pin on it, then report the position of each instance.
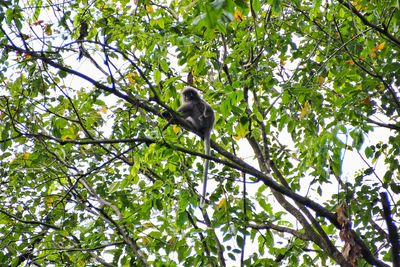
(281, 229)
(29, 221)
(385, 32)
(393, 233)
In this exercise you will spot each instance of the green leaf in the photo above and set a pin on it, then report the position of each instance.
(369, 152)
(276, 6)
(358, 138)
(62, 74)
(256, 6)
(291, 126)
(158, 184)
(157, 76)
(240, 241)
(164, 65)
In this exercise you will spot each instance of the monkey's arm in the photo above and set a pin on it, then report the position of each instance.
(186, 110)
(166, 115)
(173, 118)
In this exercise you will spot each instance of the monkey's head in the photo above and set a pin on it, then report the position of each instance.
(189, 95)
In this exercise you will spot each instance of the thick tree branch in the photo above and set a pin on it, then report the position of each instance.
(393, 233)
(384, 125)
(236, 163)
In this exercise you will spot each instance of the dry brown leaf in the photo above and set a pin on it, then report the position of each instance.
(351, 250)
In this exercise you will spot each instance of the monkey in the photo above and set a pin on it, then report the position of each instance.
(197, 112)
(200, 115)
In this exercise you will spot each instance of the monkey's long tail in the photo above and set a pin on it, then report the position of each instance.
(205, 169)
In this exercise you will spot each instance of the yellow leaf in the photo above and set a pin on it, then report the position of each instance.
(241, 131)
(305, 110)
(27, 56)
(132, 78)
(146, 240)
(104, 109)
(68, 137)
(350, 62)
(222, 203)
(318, 57)
(238, 15)
(176, 129)
(321, 80)
(357, 5)
(48, 30)
(150, 9)
(375, 49)
(49, 201)
(148, 225)
(26, 156)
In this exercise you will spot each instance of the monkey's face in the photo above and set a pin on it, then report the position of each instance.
(190, 95)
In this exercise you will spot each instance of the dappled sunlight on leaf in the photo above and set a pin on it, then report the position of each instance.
(305, 110)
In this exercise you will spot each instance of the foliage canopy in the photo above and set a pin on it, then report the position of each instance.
(302, 90)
